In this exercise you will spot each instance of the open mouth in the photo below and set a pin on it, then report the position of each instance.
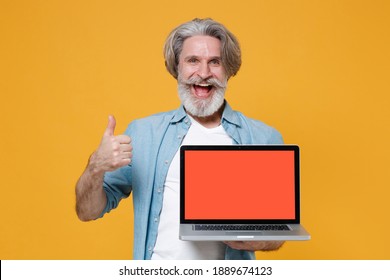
(202, 90)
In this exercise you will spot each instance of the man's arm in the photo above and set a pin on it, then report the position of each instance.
(112, 153)
(90, 196)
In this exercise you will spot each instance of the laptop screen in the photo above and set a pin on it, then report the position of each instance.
(240, 183)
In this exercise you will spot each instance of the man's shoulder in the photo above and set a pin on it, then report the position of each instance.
(259, 129)
(151, 123)
(155, 119)
(255, 123)
(240, 119)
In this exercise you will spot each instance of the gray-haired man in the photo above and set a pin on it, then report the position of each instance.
(202, 55)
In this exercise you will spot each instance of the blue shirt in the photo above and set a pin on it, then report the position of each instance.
(155, 141)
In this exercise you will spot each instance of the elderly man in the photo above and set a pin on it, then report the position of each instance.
(202, 55)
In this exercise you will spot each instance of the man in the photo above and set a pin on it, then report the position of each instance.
(202, 55)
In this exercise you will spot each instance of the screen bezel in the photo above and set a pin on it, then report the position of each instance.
(294, 148)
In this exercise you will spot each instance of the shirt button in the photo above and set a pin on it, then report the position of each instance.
(155, 220)
(166, 162)
(159, 190)
(150, 249)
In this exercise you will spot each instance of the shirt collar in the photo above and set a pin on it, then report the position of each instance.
(179, 115)
(229, 115)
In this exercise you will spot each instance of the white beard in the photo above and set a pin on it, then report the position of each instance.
(201, 107)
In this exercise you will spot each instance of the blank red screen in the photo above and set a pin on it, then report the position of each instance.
(239, 185)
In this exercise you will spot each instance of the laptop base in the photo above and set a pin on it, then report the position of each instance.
(297, 233)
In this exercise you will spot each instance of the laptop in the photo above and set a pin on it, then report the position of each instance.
(240, 192)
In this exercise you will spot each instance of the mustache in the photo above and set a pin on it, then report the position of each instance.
(210, 81)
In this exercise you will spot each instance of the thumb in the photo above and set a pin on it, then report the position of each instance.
(110, 126)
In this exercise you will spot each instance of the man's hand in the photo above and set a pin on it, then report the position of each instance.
(113, 151)
(255, 245)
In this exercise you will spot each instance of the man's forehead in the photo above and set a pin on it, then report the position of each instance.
(203, 46)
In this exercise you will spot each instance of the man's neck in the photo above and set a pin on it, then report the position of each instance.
(210, 121)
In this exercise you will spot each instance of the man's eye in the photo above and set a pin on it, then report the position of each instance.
(215, 62)
(192, 60)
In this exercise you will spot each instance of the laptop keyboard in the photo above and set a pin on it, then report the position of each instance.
(242, 227)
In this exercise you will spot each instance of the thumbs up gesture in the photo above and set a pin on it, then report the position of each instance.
(113, 151)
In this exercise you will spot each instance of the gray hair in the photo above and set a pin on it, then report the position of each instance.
(230, 48)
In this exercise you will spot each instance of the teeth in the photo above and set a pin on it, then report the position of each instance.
(203, 85)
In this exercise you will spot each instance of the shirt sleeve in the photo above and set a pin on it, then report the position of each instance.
(117, 185)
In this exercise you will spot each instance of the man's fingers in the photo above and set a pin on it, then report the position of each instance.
(110, 131)
(110, 126)
(126, 161)
(123, 139)
(127, 155)
(238, 245)
(255, 245)
(114, 151)
(126, 148)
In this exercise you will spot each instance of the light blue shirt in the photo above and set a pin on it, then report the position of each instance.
(155, 141)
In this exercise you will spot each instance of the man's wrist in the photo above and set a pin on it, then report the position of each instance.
(95, 169)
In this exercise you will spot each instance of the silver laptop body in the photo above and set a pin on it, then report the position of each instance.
(240, 192)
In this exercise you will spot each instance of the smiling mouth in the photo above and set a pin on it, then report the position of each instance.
(202, 90)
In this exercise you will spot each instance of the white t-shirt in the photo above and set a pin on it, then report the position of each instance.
(168, 244)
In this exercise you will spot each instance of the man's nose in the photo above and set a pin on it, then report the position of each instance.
(204, 70)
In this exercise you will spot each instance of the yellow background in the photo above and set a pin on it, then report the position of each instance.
(318, 71)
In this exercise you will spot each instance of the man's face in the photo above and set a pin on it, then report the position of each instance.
(201, 78)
